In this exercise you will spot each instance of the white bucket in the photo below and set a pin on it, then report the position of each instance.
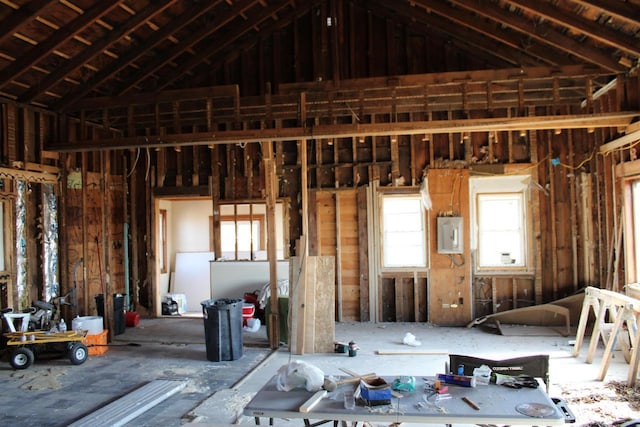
(92, 324)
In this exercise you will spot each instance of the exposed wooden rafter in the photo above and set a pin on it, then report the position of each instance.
(95, 49)
(601, 33)
(23, 16)
(47, 47)
(620, 11)
(55, 53)
(544, 34)
(154, 40)
(419, 21)
(218, 23)
(231, 40)
(492, 30)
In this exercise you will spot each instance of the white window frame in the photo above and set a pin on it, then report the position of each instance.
(386, 235)
(633, 226)
(502, 186)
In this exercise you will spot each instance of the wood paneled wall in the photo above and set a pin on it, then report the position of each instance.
(450, 300)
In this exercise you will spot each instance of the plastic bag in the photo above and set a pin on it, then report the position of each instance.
(298, 374)
(410, 339)
(424, 194)
(253, 325)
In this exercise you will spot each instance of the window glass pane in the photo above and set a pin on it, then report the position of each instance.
(403, 232)
(635, 195)
(228, 236)
(501, 232)
(248, 239)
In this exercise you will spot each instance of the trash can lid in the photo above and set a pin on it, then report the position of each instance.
(220, 302)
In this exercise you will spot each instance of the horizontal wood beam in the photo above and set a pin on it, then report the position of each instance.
(538, 75)
(29, 176)
(632, 135)
(584, 121)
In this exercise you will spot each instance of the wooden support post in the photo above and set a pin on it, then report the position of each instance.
(195, 162)
(270, 195)
(552, 220)
(86, 240)
(535, 210)
(339, 297)
(135, 250)
(573, 214)
(399, 302)
(395, 160)
(416, 297)
(494, 295)
(363, 254)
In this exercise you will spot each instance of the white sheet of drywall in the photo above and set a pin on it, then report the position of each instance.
(231, 279)
(192, 278)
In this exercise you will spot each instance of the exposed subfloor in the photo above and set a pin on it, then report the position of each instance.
(52, 392)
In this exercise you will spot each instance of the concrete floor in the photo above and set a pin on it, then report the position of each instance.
(53, 392)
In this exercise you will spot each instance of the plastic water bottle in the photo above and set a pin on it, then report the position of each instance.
(62, 326)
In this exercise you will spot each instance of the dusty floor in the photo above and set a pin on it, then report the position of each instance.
(54, 393)
(594, 403)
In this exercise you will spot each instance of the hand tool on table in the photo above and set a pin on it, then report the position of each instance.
(331, 385)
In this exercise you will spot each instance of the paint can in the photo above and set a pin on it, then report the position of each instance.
(353, 349)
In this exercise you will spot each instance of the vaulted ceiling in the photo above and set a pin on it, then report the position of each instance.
(54, 53)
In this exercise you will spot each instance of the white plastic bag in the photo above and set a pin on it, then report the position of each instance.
(410, 339)
(299, 374)
(253, 325)
(424, 194)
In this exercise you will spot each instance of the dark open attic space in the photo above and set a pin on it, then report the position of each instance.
(135, 132)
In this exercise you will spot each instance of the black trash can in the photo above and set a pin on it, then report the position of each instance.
(119, 317)
(223, 328)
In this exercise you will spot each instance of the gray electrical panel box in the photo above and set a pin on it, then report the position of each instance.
(450, 235)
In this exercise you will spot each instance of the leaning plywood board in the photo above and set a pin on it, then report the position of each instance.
(325, 302)
(312, 305)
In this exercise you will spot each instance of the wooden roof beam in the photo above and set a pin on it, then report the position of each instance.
(190, 15)
(572, 121)
(463, 18)
(96, 49)
(420, 22)
(22, 16)
(300, 9)
(186, 44)
(45, 48)
(622, 11)
(589, 28)
(630, 138)
(551, 37)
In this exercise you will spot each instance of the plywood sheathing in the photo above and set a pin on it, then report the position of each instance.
(312, 315)
(450, 284)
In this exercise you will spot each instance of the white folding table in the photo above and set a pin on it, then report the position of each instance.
(497, 405)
